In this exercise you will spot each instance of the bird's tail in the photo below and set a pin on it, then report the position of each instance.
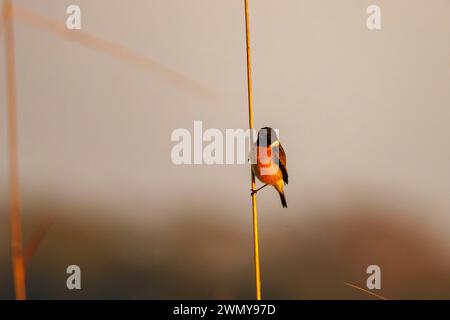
(283, 199)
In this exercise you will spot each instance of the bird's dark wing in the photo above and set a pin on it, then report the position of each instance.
(281, 158)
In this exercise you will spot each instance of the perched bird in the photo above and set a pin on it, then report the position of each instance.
(269, 162)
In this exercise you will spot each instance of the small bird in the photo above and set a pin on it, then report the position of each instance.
(270, 163)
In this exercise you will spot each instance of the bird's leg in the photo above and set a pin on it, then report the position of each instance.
(255, 191)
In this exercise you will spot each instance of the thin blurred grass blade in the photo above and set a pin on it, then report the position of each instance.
(366, 291)
(117, 51)
(35, 241)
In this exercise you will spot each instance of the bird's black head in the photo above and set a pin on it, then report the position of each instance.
(266, 136)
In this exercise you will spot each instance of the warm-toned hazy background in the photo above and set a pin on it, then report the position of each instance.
(363, 115)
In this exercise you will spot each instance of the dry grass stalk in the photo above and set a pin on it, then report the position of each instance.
(253, 184)
(18, 262)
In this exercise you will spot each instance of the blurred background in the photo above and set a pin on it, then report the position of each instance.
(363, 117)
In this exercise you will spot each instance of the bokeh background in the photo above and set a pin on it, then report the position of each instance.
(363, 116)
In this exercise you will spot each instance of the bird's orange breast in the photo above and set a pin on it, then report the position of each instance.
(265, 169)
